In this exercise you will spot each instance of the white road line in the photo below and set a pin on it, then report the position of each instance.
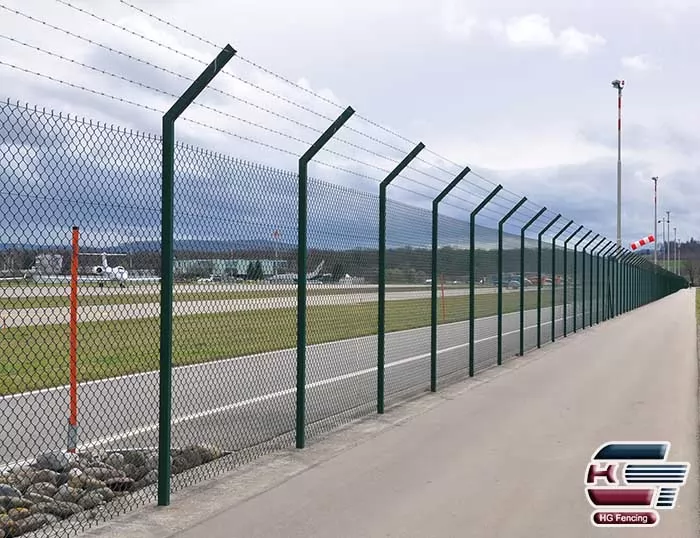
(245, 357)
(271, 396)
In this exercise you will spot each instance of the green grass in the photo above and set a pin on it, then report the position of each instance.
(93, 297)
(36, 357)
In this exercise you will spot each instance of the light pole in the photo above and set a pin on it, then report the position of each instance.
(663, 233)
(619, 84)
(668, 239)
(675, 251)
(655, 179)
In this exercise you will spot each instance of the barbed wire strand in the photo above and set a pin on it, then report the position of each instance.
(269, 72)
(280, 77)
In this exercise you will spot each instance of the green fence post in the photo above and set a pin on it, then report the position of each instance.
(301, 270)
(166, 266)
(434, 277)
(601, 283)
(590, 316)
(539, 277)
(472, 269)
(522, 277)
(554, 276)
(575, 276)
(381, 299)
(500, 276)
(566, 283)
(583, 283)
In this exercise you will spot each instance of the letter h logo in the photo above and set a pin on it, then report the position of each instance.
(596, 471)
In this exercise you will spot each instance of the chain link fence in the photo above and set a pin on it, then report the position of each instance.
(81, 386)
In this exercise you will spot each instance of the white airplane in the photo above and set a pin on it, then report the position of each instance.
(292, 277)
(102, 273)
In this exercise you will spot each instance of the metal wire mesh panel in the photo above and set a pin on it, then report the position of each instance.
(529, 284)
(510, 335)
(234, 326)
(485, 287)
(408, 299)
(342, 305)
(453, 304)
(557, 311)
(545, 289)
(79, 338)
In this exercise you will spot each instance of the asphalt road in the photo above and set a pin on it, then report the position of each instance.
(20, 317)
(505, 458)
(244, 401)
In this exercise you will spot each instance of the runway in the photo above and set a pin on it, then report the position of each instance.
(20, 317)
(244, 401)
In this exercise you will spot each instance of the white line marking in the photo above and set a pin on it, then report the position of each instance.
(246, 357)
(273, 395)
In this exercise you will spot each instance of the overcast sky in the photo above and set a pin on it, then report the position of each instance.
(520, 91)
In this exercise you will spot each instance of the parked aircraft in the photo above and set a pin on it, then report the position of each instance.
(100, 274)
(292, 277)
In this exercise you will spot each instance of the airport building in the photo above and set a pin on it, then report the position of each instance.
(225, 268)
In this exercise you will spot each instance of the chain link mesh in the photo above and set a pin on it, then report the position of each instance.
(79, 375)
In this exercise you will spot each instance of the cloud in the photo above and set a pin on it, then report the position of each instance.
(640, 62)
(534, 31)
(456, 22)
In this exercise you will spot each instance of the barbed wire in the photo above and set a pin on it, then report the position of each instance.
(103, 94)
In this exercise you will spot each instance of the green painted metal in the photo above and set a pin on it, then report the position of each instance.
(472, 276)
(583, 283)
(600, 282)
(434, 277)
(539, 277)
(301, 270)
(381, 299)
(166, 260)
(575, 275)
(554, 276)
(566, 282)
(501, 223)
(590, 317)
(522, 277)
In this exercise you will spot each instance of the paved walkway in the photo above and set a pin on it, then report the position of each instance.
(503, 455)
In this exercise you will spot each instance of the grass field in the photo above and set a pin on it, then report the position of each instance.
(93, 296)
(36, 357)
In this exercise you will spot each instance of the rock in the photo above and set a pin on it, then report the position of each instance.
(7, 525)
(135, 473)
(106, 494)
(15, 502)
(46, 475)
(56, 461)
(18, 513)
(90, 500)
(151, 462)
(68, 494)
(37, 499)
(135, 458)
(114, 460)
(150, 478)
(102, 473)
(20, 480)
(9, 491)
(2, 533)
(34, 522)
(58, 509)
(42, 488)
(120, 484)
(180, 464)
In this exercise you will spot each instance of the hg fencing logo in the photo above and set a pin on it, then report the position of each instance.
(650, 483)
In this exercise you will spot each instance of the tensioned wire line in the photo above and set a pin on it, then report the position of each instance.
(200, 124)
(136, 34)
(204, 106)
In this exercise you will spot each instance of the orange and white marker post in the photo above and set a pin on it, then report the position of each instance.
(73, 419)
